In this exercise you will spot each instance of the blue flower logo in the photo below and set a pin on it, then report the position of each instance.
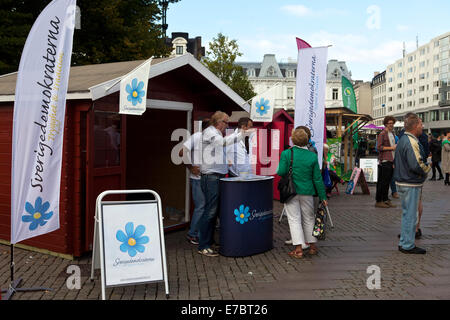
(262, 107)
(242, 214)
(132, 242)
(135, 91)
(37, 215)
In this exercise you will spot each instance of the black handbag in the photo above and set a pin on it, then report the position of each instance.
(286, 184)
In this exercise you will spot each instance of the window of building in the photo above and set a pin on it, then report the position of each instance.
(436, 57)
(399, 107)
(436, 70)
(445, 115)
(421, 88)
(410, 81)
(335, 94)
(399, 75)
(435, 97)
(399, 96)
(421, 76)
(422, 64)
(290, 93)
(410, 58)
(436, 84)
(436, 44)
(410, 93)
(290, 74)
(390, 89)
(410, 103)
(390, 109)
(271, 71)
(434, 115)
(179, 50)
(421, 100)
(390, 99)
(448, 95)
(399, 86)
(400, 64)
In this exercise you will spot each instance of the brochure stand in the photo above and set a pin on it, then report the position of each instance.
(129, 246)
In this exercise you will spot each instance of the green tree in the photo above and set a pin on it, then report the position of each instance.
(111, 30)
(220, 60)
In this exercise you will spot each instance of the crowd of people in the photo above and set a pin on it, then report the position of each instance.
(403, 166)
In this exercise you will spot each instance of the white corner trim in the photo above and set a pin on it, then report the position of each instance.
(111, 86)
(169, 105)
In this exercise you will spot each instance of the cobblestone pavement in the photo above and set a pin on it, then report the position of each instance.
(363, 236)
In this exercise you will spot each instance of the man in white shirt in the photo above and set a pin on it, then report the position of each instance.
(239, 154)
(213, 168)
(192, 148)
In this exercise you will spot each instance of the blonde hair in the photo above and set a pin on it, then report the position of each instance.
(300, 137)
(217, 117)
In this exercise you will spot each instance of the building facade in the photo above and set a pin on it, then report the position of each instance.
(182, 44)
(378, 87)
(419, 83)
(363, 93)
(263, 75)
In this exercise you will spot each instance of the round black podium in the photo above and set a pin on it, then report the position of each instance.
(246, 216)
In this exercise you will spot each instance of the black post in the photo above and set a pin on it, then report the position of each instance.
(13, 286)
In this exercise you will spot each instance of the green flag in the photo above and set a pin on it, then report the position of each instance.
(348, 95)
(349, 100)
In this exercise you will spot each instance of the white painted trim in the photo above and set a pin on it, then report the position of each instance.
(99, 91)
(70, 96)
(169, 105)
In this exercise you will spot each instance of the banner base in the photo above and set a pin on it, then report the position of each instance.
(13, 288)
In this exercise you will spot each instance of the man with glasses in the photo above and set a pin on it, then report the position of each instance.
(386, 150)
(214, 167)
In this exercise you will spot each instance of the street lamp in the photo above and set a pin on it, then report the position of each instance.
(164, 5)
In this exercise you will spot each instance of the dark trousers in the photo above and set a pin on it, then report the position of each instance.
(434, 166)
(385, 173)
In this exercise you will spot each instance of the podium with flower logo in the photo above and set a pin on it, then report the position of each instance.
(129, 246)
(246, 215)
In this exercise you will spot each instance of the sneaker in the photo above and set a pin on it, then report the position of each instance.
(288, 241)
(415, 250)
(382, 205)
(192, 240)
(208, 252)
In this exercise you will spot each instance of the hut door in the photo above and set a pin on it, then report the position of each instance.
(106, 161)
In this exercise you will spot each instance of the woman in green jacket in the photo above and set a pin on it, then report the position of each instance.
(307, 179)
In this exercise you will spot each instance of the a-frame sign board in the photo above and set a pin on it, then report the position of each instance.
(129, 246)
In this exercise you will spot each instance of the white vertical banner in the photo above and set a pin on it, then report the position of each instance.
(310, 93)
(263, 105)
(133, 90)
(38, 123)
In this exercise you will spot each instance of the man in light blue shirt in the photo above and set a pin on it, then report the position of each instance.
(239, 154)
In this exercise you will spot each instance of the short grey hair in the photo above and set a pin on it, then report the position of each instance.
(411, 121)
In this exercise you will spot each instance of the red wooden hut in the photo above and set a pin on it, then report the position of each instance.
(104, 150)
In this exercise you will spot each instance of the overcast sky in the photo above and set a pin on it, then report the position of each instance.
(368, 35)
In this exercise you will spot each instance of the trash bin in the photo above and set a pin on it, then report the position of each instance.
(246, 216)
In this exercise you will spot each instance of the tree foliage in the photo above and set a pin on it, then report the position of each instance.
(111, 30)
(220, 59)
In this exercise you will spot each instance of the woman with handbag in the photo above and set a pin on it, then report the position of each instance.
(303, 166)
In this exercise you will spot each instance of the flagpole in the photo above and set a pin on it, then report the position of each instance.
(262, 93)
(120, 79)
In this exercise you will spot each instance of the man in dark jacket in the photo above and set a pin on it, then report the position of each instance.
(410, 172)
(436, 149)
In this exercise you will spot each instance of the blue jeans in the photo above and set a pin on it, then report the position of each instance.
(199, 207)
(410, 197)
(393, 186)
(207, 222)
